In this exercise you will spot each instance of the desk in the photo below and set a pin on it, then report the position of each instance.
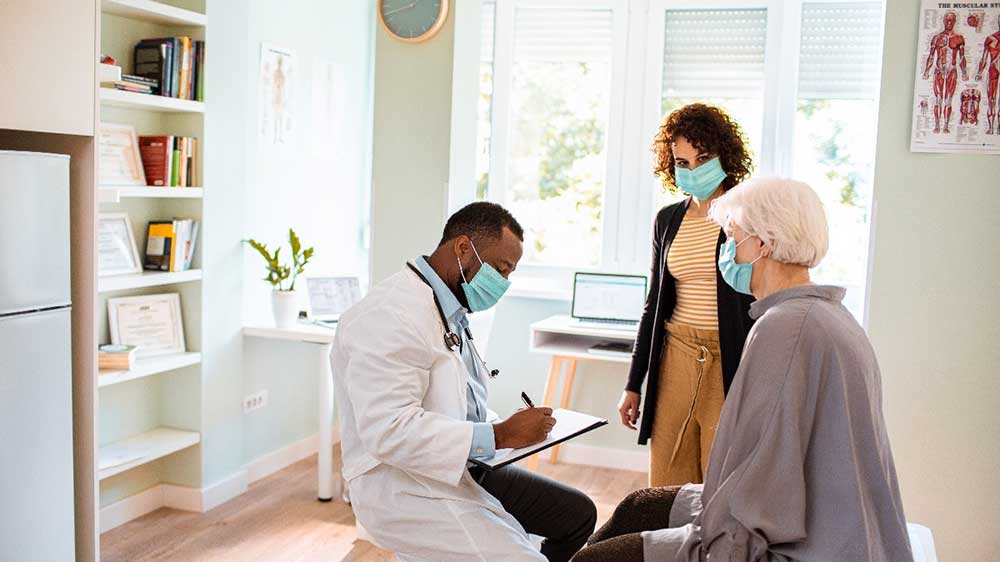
(567, 341)
(322, 339)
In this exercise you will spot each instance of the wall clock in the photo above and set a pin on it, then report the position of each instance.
(413, 21)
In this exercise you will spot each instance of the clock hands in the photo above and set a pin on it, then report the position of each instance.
(401, 8)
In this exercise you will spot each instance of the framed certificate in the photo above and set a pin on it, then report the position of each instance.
(117, 253)
(152, 323)
(120, 161)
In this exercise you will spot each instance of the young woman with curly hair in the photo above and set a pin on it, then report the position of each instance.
(693, 323)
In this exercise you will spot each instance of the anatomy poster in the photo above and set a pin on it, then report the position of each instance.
(955, 101)
(275, 115)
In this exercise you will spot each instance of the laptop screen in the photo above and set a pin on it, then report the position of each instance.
(332, 296)
(609, 297)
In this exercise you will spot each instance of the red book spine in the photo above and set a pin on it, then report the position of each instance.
(153, 150)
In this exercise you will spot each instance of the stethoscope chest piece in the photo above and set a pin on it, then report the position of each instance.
(453, 341)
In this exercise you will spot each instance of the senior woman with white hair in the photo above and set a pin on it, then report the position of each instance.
(801, 468)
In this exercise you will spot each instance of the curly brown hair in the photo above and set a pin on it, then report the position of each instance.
(709, 129)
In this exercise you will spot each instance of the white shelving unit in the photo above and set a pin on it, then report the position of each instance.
(146, 279)
(149, 367)
(111, 97)
(153, 12)
(114, 194)
(115, 458)
(175, 397)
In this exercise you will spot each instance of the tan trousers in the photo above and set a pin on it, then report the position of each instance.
(688, 406)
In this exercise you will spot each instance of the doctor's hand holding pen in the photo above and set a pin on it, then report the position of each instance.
(525, 427)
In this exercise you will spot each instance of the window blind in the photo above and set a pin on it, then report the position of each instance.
(839, 56)
(548, 34)
(487, 33)
(714, 53)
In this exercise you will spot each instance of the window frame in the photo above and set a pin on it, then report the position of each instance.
(630, 195)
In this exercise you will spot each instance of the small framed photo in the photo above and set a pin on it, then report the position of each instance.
(117, 253)
(120, 160)
(152, 323)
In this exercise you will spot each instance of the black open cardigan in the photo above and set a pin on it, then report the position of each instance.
(734, 318)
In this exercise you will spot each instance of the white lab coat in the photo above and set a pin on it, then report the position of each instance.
(401, 402)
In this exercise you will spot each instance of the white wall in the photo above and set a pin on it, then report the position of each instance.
(933, 316)
(316, 184)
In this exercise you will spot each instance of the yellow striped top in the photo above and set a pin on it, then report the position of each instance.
(691, 261)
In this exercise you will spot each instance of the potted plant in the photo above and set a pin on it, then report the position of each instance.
(283, 301)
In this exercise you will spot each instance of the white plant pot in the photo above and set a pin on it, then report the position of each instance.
(284, 305)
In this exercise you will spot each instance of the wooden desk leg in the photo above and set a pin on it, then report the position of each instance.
(567, 390)
(555, 369)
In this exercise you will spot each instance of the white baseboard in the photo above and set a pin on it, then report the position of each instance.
(132, 507)
(209, 497)
(604, 457)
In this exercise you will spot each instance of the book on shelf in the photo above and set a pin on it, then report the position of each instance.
(178, 63)
(170, 161)
(170, 245)
(115, 357)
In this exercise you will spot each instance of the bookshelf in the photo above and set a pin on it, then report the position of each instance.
(149, 417)
(131, 100)
(149, 367)
(113, 194)
(153, 12)
(143, 448)
(146, 279)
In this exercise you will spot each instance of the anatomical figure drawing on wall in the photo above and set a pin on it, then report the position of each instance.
(958, 56)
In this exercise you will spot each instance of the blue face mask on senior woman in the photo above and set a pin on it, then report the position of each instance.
(737, 275)
(486, 287)
(702, 181)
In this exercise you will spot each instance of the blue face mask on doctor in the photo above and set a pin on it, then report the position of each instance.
(702, 181)
(487, 285)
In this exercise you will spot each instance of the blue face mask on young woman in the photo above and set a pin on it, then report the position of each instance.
(486, 288)
(737, 275)
(702, 181)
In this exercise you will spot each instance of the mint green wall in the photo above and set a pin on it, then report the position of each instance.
(933, 314)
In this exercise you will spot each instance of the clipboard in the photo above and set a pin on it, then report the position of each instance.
(569, 424)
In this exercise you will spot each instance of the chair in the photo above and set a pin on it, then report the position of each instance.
(921, 543)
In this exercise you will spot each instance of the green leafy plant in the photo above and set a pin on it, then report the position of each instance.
(277, 273)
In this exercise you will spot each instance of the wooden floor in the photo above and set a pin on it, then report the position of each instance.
(279, 520)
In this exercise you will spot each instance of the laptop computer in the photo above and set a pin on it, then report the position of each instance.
(329, 297)
(608, 301)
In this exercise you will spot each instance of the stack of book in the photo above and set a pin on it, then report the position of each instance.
(177, 63)
(131, 83)
(170, 161)
(170, 244)
(115, 357)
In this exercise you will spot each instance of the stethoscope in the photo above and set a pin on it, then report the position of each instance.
(452, 340)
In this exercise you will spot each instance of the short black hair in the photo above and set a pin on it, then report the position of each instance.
(481, 221)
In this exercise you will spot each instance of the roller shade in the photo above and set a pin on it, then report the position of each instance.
(839, 57)
(548, 34)
(488, 31)
(714, 53)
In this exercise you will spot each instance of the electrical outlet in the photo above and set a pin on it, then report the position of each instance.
(255, 401)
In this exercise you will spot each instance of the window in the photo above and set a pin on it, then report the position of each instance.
(834, 140)
(573, 91)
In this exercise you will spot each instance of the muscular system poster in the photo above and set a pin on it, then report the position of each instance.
(956, 103)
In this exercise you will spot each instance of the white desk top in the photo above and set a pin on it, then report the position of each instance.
(303, 332)
(571, 327)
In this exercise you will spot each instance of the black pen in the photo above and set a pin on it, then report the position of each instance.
(526, 400)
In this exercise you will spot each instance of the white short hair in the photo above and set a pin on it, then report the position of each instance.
(785, 214)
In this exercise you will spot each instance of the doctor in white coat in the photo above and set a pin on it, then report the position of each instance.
(411, 401)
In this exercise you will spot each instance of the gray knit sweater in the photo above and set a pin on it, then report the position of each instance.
(801, 468)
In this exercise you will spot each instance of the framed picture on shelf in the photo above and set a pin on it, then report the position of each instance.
(120, 161)
(152, 323)
(117, 253)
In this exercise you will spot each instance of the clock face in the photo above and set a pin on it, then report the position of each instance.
(413, 20)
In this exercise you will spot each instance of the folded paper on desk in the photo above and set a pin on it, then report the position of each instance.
(569, 424)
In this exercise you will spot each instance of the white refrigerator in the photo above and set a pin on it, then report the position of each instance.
(36, 410)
